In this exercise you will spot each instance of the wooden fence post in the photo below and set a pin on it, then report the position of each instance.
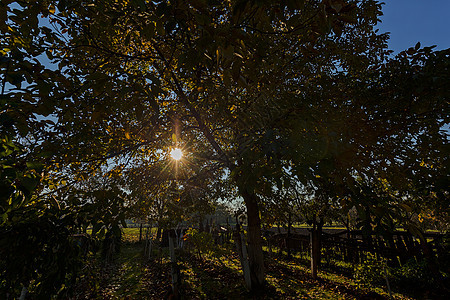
(150, 244)
(316, 234)
(387, 281)
(314, 256)
(174, 267)
(245, 264)
(242, 251)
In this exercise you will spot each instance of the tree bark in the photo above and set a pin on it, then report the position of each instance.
(255, 253)
(158, 233)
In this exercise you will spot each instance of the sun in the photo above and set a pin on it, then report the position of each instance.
(176, 153)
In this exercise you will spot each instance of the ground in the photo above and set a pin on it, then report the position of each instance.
(213, 276)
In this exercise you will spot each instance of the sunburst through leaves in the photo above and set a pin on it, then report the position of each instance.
(176, 153)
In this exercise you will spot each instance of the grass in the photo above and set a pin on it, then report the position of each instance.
(214, 276)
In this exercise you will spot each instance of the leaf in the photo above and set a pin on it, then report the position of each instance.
(149, 30)
(15, 79)
(35, 165)
(140, 4)
(51, 9)
(29, 183)
(62, 5)
(347, 19)
(416, 231)
(417, 46)
(139, 112)
(337, 6)
(128, 38)
(405, 207)
(160, 28)
(198, 4)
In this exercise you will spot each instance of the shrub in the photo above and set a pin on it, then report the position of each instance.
(417, 274)
(202, 241)
(371, 272)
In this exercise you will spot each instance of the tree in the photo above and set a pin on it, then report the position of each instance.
(263, 90)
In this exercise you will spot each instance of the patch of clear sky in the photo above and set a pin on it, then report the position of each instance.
(412, 21)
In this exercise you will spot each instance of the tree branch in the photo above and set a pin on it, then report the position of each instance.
(201, 124)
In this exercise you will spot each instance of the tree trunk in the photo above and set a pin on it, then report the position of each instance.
(200, 225)
(367, 229)
(255, 253)
(208, 226)
(158, 233)
(140, 233)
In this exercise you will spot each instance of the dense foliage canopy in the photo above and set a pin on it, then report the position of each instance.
(264, 98)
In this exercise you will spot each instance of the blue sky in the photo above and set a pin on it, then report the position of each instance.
(412, 21)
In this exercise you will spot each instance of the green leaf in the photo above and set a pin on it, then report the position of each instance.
(35, 165)
(15, 79)
(29, 183)
(160, 28)
(149, 30)
(140, 4)
(405, 207)
(128, 38)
